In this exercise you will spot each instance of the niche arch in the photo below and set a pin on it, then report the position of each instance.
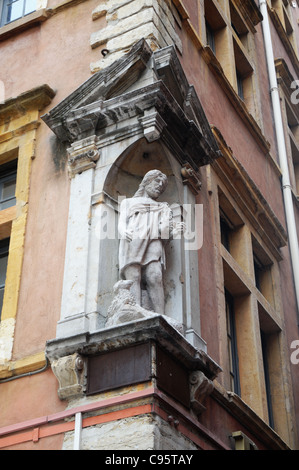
(122, 180)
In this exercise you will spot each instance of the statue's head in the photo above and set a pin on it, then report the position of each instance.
(153, 184)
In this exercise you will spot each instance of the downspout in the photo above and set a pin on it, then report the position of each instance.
(282, 153)
(78, 431)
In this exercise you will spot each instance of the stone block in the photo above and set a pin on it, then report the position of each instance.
(126, 40)
(122, 26)
(131, 17)
(103, 8)
(7, 328)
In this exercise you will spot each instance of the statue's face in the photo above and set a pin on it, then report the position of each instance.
(156, 187)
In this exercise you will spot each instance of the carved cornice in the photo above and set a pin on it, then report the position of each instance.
(35, 99)
(166, 108)
(155, 328)
(250, 11)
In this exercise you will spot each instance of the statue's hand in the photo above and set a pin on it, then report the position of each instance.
(129, 235)
(180, 227)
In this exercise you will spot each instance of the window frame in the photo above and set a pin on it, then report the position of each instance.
(233, 28)
(4, 252)
(8, 172)
(267, 378)
(4, 4)
(232, 343)
(243, 301)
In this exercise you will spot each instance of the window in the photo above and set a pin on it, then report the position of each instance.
(267, 378)
(293, 136)
(248, 294)
(225, 227)
(229, 33)
(4, 247)
(244, 69)
(215, 28)
(8, 176)
(283, 10)
(249, 277)
(240, 85)
(232, 344)
(263, 271)
(210, 37)
(12, 10)
(290, 114)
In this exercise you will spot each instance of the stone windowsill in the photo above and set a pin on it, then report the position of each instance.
(26, 22)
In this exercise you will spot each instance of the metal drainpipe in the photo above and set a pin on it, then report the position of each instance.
(282, 153)
(78, 431)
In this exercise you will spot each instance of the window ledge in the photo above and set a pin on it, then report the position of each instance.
(33, 19)
(248, 417)
(284, 38)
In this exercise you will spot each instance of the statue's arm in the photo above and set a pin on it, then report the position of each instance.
(123, 221)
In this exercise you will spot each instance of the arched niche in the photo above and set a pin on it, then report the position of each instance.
(181, 274)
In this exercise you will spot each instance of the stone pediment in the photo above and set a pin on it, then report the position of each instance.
(143, 92)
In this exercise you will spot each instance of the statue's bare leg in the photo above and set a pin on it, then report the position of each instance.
(133, 273)
(154, 283)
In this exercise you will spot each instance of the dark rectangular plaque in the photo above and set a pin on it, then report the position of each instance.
(172, 377)
(119, 368)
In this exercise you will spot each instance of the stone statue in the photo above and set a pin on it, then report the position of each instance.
(145, 226)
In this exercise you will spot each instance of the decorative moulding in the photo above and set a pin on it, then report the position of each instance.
(34, 99)
(145, 93)
(83, 155)
(79, 361)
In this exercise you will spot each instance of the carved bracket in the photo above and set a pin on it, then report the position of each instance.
(200, 388)
(70, 372)
(191, 178)
(83, 155)
(153, 125)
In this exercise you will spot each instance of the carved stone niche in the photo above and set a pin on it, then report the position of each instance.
(138, 114)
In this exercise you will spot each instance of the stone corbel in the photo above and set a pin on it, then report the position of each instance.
(82, 155)
(70, 372)
(191, 178)
(153, 125)
(200, 388)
